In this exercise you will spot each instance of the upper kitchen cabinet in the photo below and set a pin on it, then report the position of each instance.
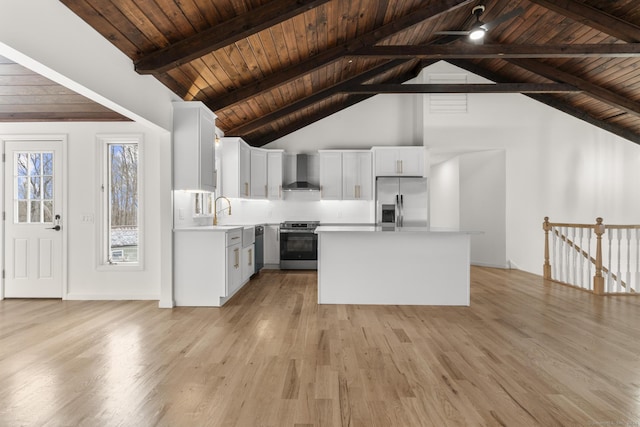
(258, 176)
(356, 175)
(330, 174)
(399, 161)
(236, 167)
(193, 147)
(275, 168)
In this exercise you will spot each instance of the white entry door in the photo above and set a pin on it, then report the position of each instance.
(33, 224)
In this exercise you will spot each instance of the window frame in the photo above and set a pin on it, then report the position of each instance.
(103, 203)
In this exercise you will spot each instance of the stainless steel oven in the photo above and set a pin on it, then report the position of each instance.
(298, 245)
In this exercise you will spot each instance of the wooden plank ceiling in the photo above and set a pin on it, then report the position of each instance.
(26, 96)
(270, 67)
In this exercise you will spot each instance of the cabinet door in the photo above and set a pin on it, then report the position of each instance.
(193, 147)
(258, 174)
(248, 259)
(274, 175)
(411, 161)
(331, 175)
(271, 245)
(356, 176)
(386, 162)
(234, 268)
(399, 161)
(245, 170)
(207, 151)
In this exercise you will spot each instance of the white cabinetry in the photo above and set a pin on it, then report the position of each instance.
(399, 161)
(275, 167)
(248, 260)
(271, 246)
(356, 175)
(193, 147)
(330, 174)
(258, 173)
(234, 268)
(236, 167)
(207, 265)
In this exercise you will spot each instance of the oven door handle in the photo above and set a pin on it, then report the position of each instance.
(297, 231)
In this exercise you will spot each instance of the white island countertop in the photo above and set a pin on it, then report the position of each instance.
(370, 228)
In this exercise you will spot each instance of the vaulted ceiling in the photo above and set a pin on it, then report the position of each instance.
(270, 67)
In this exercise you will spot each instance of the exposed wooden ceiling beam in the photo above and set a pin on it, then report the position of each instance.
(470, 51)
(434, 9)
(351, 100)
(594, 18)
(464, 88)
(312, 99)
(595, 91)
(222, 35)
(551, 101)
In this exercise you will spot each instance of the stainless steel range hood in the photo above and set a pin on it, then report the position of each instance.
(301, 182)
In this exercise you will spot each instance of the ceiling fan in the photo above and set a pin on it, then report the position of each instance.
(479, 28)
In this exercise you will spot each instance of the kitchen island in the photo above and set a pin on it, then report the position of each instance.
(394, 266)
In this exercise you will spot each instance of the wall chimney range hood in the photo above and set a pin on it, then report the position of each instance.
(302, 181)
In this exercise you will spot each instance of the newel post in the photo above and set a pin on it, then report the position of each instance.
(598, 280)
(546, 268)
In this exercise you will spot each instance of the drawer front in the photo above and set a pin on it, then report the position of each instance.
(234, 236)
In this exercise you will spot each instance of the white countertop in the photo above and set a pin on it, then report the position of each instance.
(380, 229)
(222, 228)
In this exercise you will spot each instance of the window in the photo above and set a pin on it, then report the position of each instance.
(202, 204)
(121, 209)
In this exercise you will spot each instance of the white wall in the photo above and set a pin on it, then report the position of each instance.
(377, 121)
(483, 205)
(444, 194)
(85, 281)
(556, 165)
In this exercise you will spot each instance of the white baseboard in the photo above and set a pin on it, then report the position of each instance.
(102, 297)
(484, 264)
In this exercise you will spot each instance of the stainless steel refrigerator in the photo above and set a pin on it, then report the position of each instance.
(402, 202)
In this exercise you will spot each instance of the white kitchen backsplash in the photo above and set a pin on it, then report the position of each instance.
(295, 206)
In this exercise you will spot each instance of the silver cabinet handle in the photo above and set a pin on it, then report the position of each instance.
(236, 253)
(250, 257)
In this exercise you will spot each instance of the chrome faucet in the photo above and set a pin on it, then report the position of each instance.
(215, 211)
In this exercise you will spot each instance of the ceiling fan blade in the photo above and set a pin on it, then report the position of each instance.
(452, 33)
(502, 18)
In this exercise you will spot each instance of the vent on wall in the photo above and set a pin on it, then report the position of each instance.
(448, 102)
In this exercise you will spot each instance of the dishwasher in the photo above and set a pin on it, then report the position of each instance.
(259, 248)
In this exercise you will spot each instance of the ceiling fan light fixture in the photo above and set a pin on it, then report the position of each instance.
(477, 33)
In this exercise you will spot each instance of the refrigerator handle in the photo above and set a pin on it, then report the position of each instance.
(397, 210)
(401, 210)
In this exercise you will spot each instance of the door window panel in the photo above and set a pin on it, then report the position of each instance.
(33, 190)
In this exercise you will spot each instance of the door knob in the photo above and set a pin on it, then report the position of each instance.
(57, 228)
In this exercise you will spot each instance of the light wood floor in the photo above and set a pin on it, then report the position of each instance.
(526, 353)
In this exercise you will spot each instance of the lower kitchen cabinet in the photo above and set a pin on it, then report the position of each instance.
(248, 262)
(234, 269)
(271, 246)
(208, 265)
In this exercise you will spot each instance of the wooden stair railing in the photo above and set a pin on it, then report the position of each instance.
(605, 281)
